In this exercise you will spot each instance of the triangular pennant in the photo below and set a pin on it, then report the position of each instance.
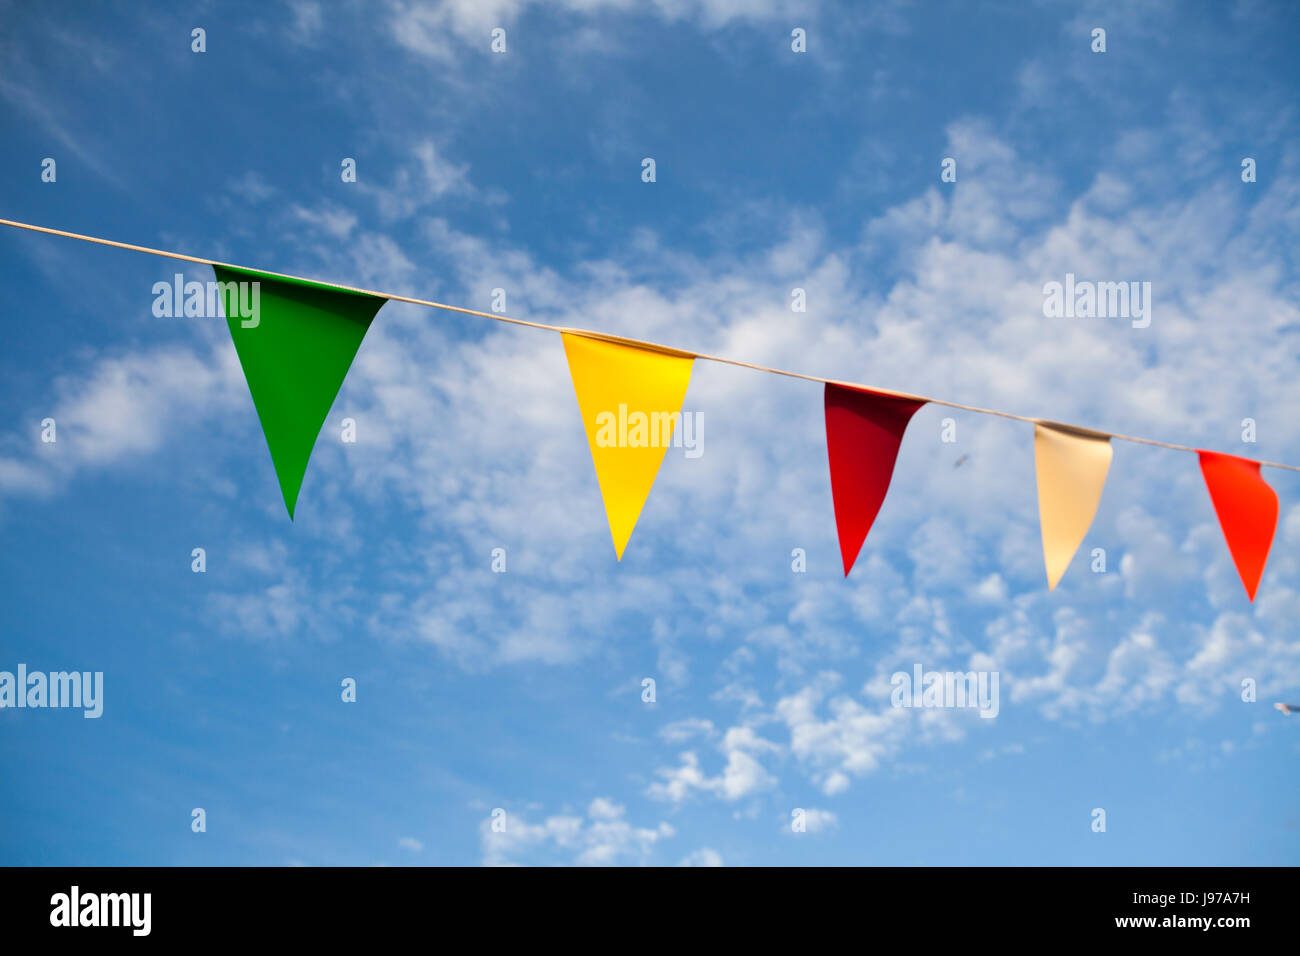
(1247, 511)
(863, 432)
(296, 341)
(1072, 466)
(630, 399)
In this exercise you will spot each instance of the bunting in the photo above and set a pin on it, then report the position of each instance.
(864, 430)
(296, 340)
(1071, 465)
(630, 399)
(1247, 510)
(295, 344)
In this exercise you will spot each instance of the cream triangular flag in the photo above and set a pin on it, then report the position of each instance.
(630, 399)
(1072, 464)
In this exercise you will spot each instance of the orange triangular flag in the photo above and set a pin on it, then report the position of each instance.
(1247, 510)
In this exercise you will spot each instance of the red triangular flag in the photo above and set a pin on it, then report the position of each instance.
(1247, 510)
(863, 432)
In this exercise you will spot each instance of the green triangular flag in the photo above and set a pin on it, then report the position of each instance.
(296, 341)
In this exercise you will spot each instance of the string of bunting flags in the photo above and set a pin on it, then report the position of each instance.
(297, 351)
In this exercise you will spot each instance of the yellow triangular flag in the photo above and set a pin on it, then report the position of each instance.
(1072, 466)
(630, 399)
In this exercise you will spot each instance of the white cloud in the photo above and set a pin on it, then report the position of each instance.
(604, 837)
(683, 730)
(851, 743)
(445, 29)
(815, 821)
(704, 856)
(122, 409)
(741, 776)
(431, 178)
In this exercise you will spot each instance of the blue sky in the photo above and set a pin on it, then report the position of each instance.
(522, 691)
